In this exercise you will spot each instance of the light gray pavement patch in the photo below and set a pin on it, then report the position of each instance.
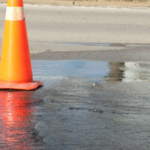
(50, 26)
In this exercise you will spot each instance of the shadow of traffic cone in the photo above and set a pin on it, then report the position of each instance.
(15, 67)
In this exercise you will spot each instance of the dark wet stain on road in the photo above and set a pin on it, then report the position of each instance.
(82, 105)
(107, 44)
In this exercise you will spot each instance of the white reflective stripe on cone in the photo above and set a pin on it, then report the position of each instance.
(15, 13)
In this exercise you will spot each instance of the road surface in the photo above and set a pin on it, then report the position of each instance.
(79, 29)
(96, 91)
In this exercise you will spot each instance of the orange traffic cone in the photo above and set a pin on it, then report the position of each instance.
(15, 67)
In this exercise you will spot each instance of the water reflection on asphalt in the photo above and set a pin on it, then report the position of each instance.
(16, 123)
(82, 105)
(114, 71)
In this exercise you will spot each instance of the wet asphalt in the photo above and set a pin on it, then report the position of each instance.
(83, 104)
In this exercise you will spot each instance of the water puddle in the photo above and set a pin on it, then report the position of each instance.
(106, 44)
(49, 71)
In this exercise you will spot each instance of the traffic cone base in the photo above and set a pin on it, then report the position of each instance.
(21, 86)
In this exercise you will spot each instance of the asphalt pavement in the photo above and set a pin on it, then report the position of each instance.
(72, 28)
